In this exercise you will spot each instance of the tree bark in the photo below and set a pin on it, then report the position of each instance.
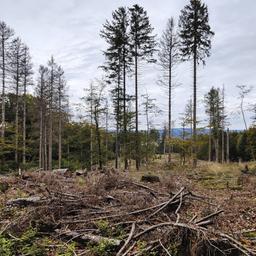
(24, 112)
(228, 146)
(117, 120)
(50, 122)
(17, 115)
(210, 145)
(136, 111)
(194, 110)
(60, 128)
(125, 114)
(98, 137)
(3, 90)
(170, 103)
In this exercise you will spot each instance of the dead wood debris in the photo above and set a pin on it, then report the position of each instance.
(131, 217)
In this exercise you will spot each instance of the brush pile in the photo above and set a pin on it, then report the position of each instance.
(107, 213)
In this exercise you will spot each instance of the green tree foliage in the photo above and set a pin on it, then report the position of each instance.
(142, 47)
(195, 35)
(214, 110)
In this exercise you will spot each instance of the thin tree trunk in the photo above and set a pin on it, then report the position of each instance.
(228, 146)
(125, 115)
(242, 111)
(45, 146)
(223, 128)
(91, 134)
(3, 91)
(50, 123)
(106, 141)
(217, 149)
(60, 129)
(117, 121)
(194, 111)
(147, 131)
(17, 116)
(170, 104)
(50, 142)
(41, 138)
(136, 111)
(210, 144)
(60, 140)
(98, 138)
(222, 146)
(24, 116)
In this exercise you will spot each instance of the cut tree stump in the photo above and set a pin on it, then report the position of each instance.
(150, 178)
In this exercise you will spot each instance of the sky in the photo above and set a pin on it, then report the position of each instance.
(69, 30)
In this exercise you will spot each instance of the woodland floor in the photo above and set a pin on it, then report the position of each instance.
(207, 211)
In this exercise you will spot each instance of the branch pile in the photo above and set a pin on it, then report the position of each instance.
(127, 217)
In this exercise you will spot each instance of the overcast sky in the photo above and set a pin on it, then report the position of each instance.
(69, 30)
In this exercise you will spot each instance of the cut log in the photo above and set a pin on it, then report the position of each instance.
(84, 238)
(61, 171)
(23, 202)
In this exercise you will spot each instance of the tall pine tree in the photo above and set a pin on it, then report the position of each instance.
(142, 47)
(195, 35)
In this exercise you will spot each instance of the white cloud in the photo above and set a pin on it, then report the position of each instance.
(69, 30)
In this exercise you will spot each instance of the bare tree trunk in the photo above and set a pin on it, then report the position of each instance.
(41, 138)
(3, 91)
(210, 145)
(50, 132)
(147, 123)
(98, 138)
(243, 115)
(222, 146)
(170, 104)
(136, 111)
(194, 111)
(117, 121)
(91, 134)
(228, 146)
(125, 116)
(17, 119)
(24, 115)
(60, 140)
(45, 146)
(59, 129)
(223, 128)
(106, 141)
(217, 149)
(50, 141)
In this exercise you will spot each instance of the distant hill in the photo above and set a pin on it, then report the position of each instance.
(177, 132)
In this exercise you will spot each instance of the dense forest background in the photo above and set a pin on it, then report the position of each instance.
(39, 132)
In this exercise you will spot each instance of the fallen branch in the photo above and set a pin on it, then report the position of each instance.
(128, 240)
(166, 204)
(164, 248)
(72, 235)
(208, 217)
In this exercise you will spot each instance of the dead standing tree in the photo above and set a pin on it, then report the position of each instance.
(16, 55)
(6, 34)
(168, 58)
(42, 102)
(142, 48)
(95, 102)
(27, 80)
